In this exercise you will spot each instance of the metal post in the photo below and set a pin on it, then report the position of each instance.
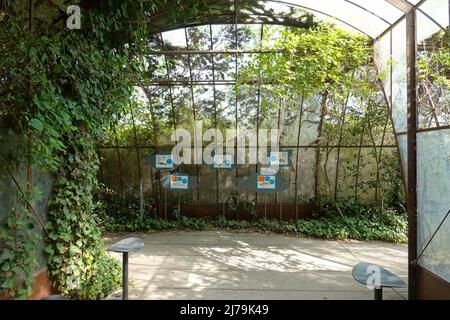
(165, 203)
(378, 293)
(193, 108)
(125, 276)
(141, 197)
(297, 155)
(179, 207)
(281, 211)
(412, 151)
(265, 207)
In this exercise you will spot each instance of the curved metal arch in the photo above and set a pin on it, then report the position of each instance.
(234, 13)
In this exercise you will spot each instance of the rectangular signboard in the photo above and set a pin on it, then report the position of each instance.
(223, 161)
(266, 182)
(179, 182)
(163, 161)
(279, 158)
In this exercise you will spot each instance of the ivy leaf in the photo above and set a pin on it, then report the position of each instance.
(37, 124)
(49, 250)
(6, 255)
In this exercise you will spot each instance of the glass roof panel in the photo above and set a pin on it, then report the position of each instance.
(199, 38)
(224, 67)
(381, 8)
(425, 28)
(201, 66)
(178, 67)
(249, 36)
(223, 37)
(158, 68)
(438, 10)
(174, 39)
(347, 12)
(271, 34)
(414, 1)
(338, 23)
(371, 17)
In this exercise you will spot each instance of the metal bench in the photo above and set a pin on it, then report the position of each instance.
(125, 246)
(377, 277)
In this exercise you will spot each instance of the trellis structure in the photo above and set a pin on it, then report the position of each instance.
(421, 124)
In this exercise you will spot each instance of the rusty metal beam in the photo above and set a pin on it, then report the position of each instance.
(402, 5)
(412, 151)
(208, 52)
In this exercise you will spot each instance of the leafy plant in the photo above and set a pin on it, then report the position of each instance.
(237, 202)
(18, 258)
(61, 88)
(360, 222)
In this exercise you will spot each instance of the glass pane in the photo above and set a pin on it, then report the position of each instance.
(348, 162)
(366, 175)
(182, 105)
(249, 36)
(345, 11)
(305, 176)
(438, 10)
(382, 9)
(327, 172)
(382, 60)
(162, 106)
(403, 147)
(174, 40)
(223, 37)
(156, 66)
(224, 67)
(178, 67)
(289, 122)
(433, 82)
(227, 184)
(269, 109)
(399, 89)
(204, 105)
(109, 169)
(271, 34)
(247, 106)
(199, 38)
(425, 27)
(310, 121)
(433, 188)
(201, 67)
(226, 106)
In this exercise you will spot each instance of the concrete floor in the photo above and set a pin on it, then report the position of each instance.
(222, 265)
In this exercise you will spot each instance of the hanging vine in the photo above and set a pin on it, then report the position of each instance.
(62, 87)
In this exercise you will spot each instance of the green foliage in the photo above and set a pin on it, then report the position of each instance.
(62, 87)
(360, 222)
(390, 227)
(236, 202)
(78, 262)
(320, 58)
(18, 257)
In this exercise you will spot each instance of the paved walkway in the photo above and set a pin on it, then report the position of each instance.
(223, 265)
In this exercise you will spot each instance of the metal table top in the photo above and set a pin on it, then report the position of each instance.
(362, 271)
(127, 245)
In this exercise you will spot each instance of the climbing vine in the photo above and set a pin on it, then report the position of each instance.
(61, 87)
(18, 258)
